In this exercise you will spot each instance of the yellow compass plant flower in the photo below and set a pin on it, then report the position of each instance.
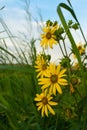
(53, 79)
(41, 66)
(81, 48)
(48, 37)
(44, 103)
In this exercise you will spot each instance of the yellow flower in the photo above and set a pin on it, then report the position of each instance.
(75, 66)
(41, 66)
(48, 37)
(53, 79)
(81, 49)
(44, 103)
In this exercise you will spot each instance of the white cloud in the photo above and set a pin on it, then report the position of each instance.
(14, 17)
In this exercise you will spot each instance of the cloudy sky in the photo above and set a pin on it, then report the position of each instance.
(15, 17)
(14, 11)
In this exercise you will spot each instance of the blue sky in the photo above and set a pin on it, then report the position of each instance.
(47, 7)
(14, 10)
(14, 14)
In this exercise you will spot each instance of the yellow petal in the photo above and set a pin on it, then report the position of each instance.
(58, 88)
(49, 98)
(42, 112)
(51, 89)
(43, 80)
(40, 107)
(38, 75)
(51, 44)
(52, 103)
(62, 72)
(53, 29)
(50, 109)
(42, 35)
(58, 69)
(54, 89)
(62, 81)
(39, 103)
(45, 86)
(46, 110)
(52, 68)
(37, 99)
(47, 73)
(46, 29)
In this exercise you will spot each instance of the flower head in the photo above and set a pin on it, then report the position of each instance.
(44, 103)
(75, 66)
(53, 79)
(81, 48)
(41, 66)
(48, 37)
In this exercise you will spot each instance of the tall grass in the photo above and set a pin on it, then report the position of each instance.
(23, 48)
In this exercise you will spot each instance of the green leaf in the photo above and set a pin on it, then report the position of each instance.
(71, 39)
(4, 103)
(63, 5)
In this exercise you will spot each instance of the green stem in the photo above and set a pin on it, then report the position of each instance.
(61, 49)
(79, 93)
(77, 22)
(65, 48)
(76, 102)
(84, 59)
(62, 18)
(56, 122)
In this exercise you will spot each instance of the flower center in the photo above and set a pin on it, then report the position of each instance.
(54, 78)
(79, 47)
(45, 100)
(48, 35)
(44, 67)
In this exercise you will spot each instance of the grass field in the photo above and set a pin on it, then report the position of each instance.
(18, 110)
